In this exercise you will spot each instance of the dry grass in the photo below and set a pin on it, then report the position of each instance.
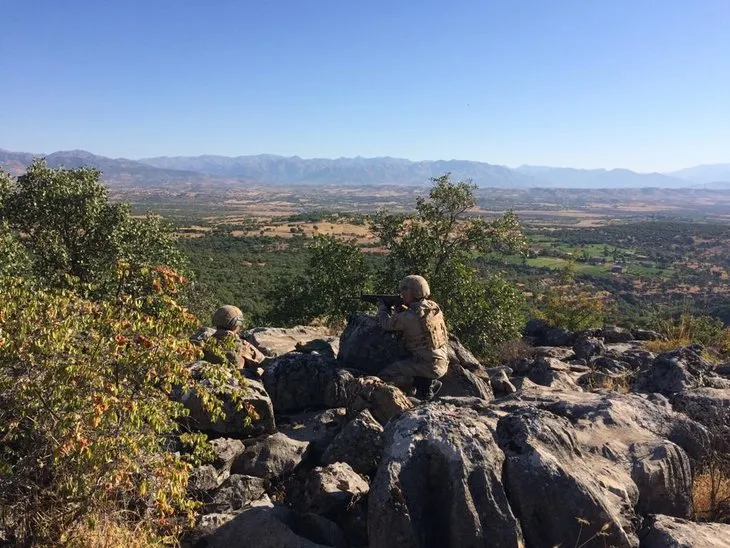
(711, 494)
(106, 532)
(510, 351)
(659, 346)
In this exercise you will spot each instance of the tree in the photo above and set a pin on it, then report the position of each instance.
(440, 241)
(72, 232)
(328, 290)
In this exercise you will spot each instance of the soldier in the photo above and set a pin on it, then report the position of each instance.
(425, 337)
(227, 321)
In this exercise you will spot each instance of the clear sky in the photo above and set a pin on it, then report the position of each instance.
(642, 84)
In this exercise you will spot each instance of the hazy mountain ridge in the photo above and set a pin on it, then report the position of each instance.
(202, 171)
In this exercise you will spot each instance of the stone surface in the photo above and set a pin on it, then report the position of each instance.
(553, 373)
(226, 450)
(235, 493)
(646, 335)
(383, 401)
(234, 423)
(668, 532)
(501, 383)
(275, 341)
(331, 489)
(552, 484)
(366, 347)
(206, 478)
(299, 381)
(678, 371)
(460, 354)
(359, 444)
(616, 335)
(439, 483)
(271, 457)
(459, 381)
(610, 365)
(711, 408)
(265, 527)
(586, 348)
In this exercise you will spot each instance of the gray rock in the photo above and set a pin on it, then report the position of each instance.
(237, 422)
(439, 483)
(313, 426)
(298, 381)
(646, 335)
(206, 478)
(271, 457)
(616, 335)
(226, 450)
(557, 336)
(586, 348)
(638, 359)
(460, 354)
(366, 347)
(552, 372)
(321, 530)
(711, 408)
(275, 341)
(678, 371)
(598, 380)
(545, 464)
(558, 352)
(610, 365)
(723, 370)
(383, 400)
(521, 366)
(331, 489)
(662, 472)
(668, 532)
(459, 381)
(501, 384)
(236, 493)
(359, 444)
(263, 527)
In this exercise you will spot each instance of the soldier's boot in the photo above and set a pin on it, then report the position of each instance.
(426, 389)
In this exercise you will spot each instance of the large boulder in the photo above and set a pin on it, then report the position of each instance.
(563, 495)
(458, 353)
(274, 456)
(263, 527)
(711, 408)
(366, 347)
(586, 348)
(440, 483)
(359, 444)
(613, 334)
(553, 373)
(238, 422)
(330, 490)
(459, 381)
(383, 400)
(275, 341)
(668, 532)
(680, 370)
(298, 381)
(235, 494)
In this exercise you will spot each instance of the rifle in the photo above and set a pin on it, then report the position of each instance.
(391, 301)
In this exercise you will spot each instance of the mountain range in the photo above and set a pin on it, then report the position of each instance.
(205, 171)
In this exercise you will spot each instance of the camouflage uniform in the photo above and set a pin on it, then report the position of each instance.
(227, 320)
(424, 336)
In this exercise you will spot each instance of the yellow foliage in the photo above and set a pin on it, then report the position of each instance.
(711, 494)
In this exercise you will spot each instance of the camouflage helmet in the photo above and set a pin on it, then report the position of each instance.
(227, 317)
(417, 284)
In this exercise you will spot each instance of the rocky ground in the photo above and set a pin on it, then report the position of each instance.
(589, 441)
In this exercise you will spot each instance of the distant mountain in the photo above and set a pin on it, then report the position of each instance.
(708, 173)
(223, 171)
(567, 177)
(119, 171)
(342, 171)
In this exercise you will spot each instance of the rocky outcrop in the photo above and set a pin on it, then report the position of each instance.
(678, 371)
(711, 408)
(586, 348)
(359, 444)
(330, 490)
(366, 347)
(439, 483)
(459, 381)
(275, 341)
(545, 464)
(553, 373)
(272, 457)
(298, 381)
(238, 422)
(383, 400)
(668, 532)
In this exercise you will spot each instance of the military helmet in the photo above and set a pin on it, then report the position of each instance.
(227, 317)
(417, 284)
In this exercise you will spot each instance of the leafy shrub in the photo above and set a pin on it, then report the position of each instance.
(572, 308)
(86, 420)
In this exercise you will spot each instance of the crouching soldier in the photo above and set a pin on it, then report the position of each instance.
(227, 321)
(425, 337)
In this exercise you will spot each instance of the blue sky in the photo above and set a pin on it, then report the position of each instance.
(642, 84)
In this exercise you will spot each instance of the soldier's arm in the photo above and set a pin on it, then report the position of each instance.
(386, 321)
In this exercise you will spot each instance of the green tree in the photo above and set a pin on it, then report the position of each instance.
(335, 276)
(440, 242)
(73, 233)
